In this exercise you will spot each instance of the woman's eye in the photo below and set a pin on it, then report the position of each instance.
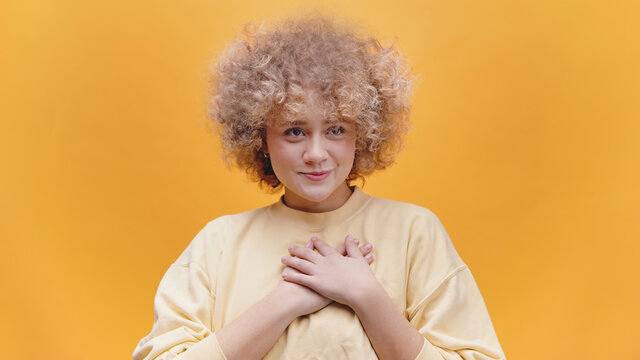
(336, 130)
(294, 132)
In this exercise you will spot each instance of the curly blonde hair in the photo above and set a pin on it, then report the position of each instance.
(267, 74)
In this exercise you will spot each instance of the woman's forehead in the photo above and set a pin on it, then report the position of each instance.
(303, 113)
(300, 121)
(307, 106)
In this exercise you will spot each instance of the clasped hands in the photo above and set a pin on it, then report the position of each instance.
(315, 278)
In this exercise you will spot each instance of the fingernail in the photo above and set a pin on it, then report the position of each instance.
(290, 247)
(313, 238)
(283, 259)
(367, 246)
(309, 243)
(284, 274)
(349, 237)
(356, 241)
(368, 256)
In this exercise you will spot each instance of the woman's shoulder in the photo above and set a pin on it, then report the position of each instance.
(395, 209)
(225, 222)
(421, 225)
(211, 239)
(428, 240)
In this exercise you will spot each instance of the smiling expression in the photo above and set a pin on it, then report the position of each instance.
(312, 157)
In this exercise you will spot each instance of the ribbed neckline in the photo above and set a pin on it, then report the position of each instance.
(316, 222)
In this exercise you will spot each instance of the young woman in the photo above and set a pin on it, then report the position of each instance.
(309, 105)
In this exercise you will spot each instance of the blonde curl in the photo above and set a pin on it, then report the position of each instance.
(267, 73)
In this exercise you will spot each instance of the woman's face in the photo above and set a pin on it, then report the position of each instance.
(312, 157)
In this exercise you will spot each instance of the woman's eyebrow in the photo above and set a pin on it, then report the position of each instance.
(335, 121)
(299, 122)
(292, 122)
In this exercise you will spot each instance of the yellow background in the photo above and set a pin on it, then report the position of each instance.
(525, 143)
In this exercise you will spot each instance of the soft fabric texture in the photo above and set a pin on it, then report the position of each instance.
(234, 261)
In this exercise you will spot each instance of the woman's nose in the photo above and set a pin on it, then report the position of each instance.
(316, 150)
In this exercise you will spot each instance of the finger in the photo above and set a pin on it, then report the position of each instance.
(304, 253)
(309, 244)
(290, 270)
(324, 248)
(352, 247)
(298, 278)
(364, 249)
(369, 258)
(298, 264)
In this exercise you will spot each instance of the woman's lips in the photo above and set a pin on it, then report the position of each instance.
(316, 175)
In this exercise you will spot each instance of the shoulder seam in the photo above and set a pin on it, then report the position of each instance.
(437, 288)
(199, 267)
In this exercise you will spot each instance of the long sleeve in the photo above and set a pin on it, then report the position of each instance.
(183, 305)
(444, 303)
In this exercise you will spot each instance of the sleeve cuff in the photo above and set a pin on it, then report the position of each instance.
(428, 352)
(205, 349)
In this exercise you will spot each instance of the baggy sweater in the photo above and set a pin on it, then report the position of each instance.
(233, 262)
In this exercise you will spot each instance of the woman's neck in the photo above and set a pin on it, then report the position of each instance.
(334, 201)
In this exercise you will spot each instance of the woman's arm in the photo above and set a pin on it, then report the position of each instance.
(252, 334)
(391, 335)
(183, 308)
(350, 281)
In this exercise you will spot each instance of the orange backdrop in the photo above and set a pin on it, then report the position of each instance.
(525, 143)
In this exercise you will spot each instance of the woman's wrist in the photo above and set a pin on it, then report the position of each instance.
(287, 305)
(367, 297)
(256, 330)
(397, 339)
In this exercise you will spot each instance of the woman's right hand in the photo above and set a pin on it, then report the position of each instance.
(304, 300)
(251, 334)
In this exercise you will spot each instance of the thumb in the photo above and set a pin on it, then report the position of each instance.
(351, 244)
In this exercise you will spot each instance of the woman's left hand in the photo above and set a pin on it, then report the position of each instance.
(345, 279)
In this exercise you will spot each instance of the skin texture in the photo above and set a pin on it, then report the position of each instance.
(328, 272)
(310, 144)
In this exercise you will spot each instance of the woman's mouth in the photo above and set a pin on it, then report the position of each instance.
(316, 175)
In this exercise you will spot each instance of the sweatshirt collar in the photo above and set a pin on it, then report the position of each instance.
(317, 222)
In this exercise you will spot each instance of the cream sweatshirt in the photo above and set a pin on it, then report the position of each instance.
(234, 261)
